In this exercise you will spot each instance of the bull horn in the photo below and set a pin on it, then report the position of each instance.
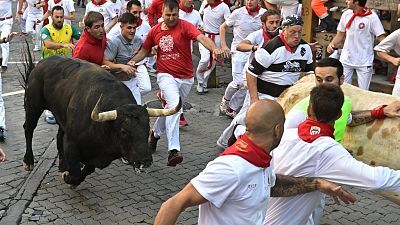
(103, 116)
(164, 112)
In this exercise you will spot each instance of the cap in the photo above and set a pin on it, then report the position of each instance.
(292, 20)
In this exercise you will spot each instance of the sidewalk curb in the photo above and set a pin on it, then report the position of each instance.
(30, 186)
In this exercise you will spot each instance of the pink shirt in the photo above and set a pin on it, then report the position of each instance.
(174, 48)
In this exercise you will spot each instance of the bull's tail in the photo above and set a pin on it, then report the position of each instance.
(28, 65)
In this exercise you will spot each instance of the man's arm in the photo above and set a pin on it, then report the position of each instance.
(48, 43)
(361, 117)
(385, 56)
(172, 208)
(224, 47)
(139, 56)
(209, 44)
(111, 24)
(286, 186)
(335, 41)
(246, 46)
(380, 37)
(252, 87)
(71, 16)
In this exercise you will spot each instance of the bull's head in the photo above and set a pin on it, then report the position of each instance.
(132, 122)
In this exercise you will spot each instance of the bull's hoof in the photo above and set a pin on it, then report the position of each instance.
(73, 183)
(27, 167)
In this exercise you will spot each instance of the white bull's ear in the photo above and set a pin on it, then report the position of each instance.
(103, 116)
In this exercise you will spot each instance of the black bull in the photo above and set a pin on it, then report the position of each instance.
(99, 120)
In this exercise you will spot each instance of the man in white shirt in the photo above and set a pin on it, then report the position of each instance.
(188, 13)
(6, 23)
(69, 10)
(391, 42)
(33, 26)
(106, 8)
(117, 7)
(215, 12)
(244, 20)
(360, 25)
(234, 188)
(310, 150)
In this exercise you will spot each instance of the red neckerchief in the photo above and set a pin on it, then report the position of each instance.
(98, 3)
(310, 130)
(186, 10)
(266, 36)
(213, 5)
(256, 9)
(57, 1)
(249, 151)
(365, 11)
(290, 49)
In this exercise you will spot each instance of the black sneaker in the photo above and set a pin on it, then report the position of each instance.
(153, 143)
(174, 158)
(2, 136)
(3, 69)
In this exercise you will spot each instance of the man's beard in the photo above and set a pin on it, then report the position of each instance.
(58, 26)
(273, 33)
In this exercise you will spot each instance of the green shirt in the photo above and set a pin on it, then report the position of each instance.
(63, 35)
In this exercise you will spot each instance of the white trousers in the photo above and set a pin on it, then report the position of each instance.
(205, 67)
(143, 80)
(240, 118)
(34, 30)
(5, 29)
(2, 108)
(132, 84)
(235, 91)
(364, 75)
(171, 90)
(396, 88)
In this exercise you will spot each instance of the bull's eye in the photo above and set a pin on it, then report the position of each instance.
(124, 134)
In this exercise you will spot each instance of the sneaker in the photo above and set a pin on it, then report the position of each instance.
(205, 89)
(182, 121)
(3, 69)
(221, 145)
(224, 105)
(200, 89)
(163, 102)
(153, 143)
(36, 49)
(230, 112)
(50, 119)
(174, 158)
(2, 136)
(124, 161)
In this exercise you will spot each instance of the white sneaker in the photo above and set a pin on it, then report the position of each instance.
(221, 145)
(230, 113)
(224, 105)
(36, 49)
(205, 89)
(199, 88)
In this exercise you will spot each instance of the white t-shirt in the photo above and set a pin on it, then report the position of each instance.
(68, 6)
(107, 10)
(117, 7)
(214, 18)
(324, 158)
(358, 46)
(33, 10)
(243, 24)
(141, 34)
(237, 191)
(193, 17)
(5, 8)
(391, 42)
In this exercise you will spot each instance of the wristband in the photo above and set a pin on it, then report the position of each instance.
(252, 48)
(378, 112)
(20, 12)
(4, 40)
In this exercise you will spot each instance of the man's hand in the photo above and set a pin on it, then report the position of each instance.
(128, 69)
(392, 110)
(336, 192)
(331, 48)
(70, 46)
(38, 21)
(105, 67)
(154, 50)
(2, 155)
(200, 28)
(395, 61)
(217, 53)
(11, 36)
(226, 52)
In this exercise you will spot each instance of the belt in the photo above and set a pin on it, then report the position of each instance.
(268, 88)
(5, 18)
(205, 32)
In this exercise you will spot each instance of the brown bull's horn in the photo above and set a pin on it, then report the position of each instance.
(164, 112)
(103, 116)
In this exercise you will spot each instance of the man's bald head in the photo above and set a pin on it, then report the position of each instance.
(264, 120)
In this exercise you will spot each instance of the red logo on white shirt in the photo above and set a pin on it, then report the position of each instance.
(166, 43)
(361, 25)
